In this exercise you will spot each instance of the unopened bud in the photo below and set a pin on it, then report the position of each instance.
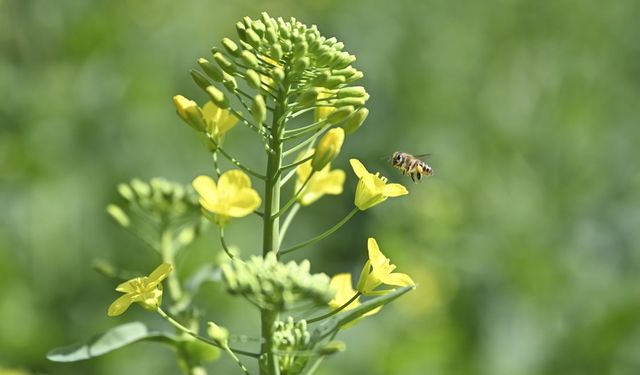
(199, 79)
(334, 81)
(220, 334)
(277, 74)
(231, 47)
(328, 148)
(354, 101)
(252, 38)
(217, 97)
(332, 347)
(249, 58)
(118, 215)
(339, 115)
(189, 112)
(259, 109)
(276, 51)
(308, 97)
(242, 30)
(355, 76)
(252, 78)
(351, 91)
(353, 122)
(211, 69)
(224, 63)
(300, 49)
(301, 64)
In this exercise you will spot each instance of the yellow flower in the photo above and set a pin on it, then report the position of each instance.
(378, 270)
(341, 283)
(217, 121)
(372, 188)
(232, 196)
(145, 290)
(328, 148)
(324, 181)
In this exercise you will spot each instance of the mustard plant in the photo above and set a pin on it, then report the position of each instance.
(277, 74)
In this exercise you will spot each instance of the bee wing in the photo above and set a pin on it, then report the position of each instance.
(422, 156)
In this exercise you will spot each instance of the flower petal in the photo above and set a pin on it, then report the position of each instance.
(332, 183)
(358, 168)
(128, 286)
(211, 112)
(207, 189)
(341, 283)
(160, 273)
(398, 279)
(232, 181)
(226, 122)
(375, 255)
(394, 190)
(243, 203)
(120, 305)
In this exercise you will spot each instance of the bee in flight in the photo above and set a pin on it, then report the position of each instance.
(411, 165)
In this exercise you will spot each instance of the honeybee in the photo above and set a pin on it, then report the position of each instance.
(411, 165)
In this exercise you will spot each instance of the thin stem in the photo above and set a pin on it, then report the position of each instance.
(323, 235)
(306, 142)
(189, 332)
(224, 244)
(235, 357)
(318, 361)
(215, 163)
(246, 122)
(296, 163)
(333, 312)
(168, 256)
(287, 221)
(295, 133)
(236, 162)
(295, 196)
(287, 177)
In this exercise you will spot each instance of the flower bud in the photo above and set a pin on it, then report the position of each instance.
(332, 347)
(189, 112)
(339, 115)
(252, 38)
(242, 30)
(199, 79)
(231, 47)
(271, 35)
(229, 82)
(220, 334)
(342, 60)
(276, 51)
(308, 97)
(224, 63)
(356, 102)
(301, 64)
(211, 69)
(118, 215)
(259, 27)
(300, 48)
(353, 122)
(249, 58)
(277, 74)
(351, 91)
(355, 76)
(252, 78)
(333, 82)
(217, 97)
(328, 148)
(259, 109)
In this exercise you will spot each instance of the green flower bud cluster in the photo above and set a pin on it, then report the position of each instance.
(274, 285)
(150, 207)
(292, 342)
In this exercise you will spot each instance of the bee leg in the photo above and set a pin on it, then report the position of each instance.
(419, 175)
(413, 177)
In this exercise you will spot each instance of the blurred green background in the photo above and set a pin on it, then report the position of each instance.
(524, 242)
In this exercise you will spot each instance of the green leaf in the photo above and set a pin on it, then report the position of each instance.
(106, 342)
(346, 317)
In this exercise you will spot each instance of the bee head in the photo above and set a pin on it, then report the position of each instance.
(397, 158)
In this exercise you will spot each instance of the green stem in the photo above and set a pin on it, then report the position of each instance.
(295, 196)
(168, 256)
(296, 163)
(189, 332)
(333, 312)
(271, 223)
(235, 358)
(287, 221)
(224, 244)
(295, 133)
(307, 141)
(323, 235)
(236, 162)
(318, 361)
(215, 164)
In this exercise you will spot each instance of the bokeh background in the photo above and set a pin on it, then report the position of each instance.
(524, 243)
